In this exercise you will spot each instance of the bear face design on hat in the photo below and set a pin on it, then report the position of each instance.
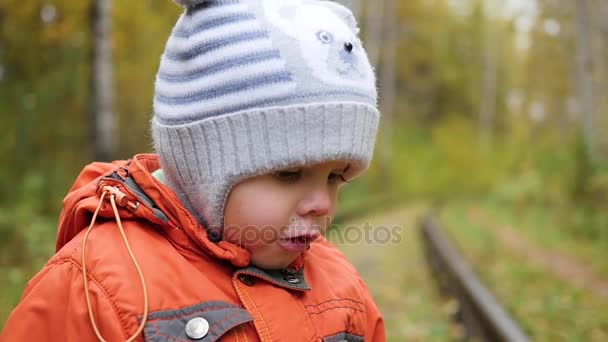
(327, 36)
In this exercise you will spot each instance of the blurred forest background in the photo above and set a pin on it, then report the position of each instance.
(493, 105)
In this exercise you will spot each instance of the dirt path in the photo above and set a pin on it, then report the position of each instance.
(396, 274)
(565, 267)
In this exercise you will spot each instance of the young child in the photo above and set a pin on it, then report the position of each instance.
(262, 110)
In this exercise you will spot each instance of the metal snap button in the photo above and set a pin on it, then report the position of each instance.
(197, 328)
(292, 278)
(291, 270)
(246, 279)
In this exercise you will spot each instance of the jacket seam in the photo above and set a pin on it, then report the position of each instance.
(244, 296)
(335, 300)
(336, 307)
(235, 332)
(186, 248)
(222, 329)
(167, 336)
(311, 326)
(104, 291)
(259, 313)
(209, 308)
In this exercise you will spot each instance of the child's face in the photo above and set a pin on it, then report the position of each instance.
(276, 216)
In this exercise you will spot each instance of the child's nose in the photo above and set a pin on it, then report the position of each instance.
(317, 202)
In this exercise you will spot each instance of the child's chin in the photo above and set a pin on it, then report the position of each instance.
(272, 264)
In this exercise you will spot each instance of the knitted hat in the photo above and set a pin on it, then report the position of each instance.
(247, 87)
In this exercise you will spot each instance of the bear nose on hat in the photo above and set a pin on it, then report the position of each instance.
(348, 46)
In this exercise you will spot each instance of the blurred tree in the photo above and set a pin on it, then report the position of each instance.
(141, 29)
(44, 48)
(599, 14)
(487, 107)
(387, 84)
(102, 86)
(373, 25)
(585, 72)
(549, 70)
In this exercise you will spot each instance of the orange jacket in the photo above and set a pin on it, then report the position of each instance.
(195, 288)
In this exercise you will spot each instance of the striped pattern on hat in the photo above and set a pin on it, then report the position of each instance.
(219, 59)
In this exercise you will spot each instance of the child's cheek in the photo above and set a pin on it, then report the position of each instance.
(252, 237)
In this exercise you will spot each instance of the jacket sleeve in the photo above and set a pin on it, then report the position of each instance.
(53, 307)
(375, 330)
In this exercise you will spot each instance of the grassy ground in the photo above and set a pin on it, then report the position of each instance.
(397, 275)
(543, 227)
(548, 304)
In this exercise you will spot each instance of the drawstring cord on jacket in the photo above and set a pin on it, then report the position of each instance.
(113, 192)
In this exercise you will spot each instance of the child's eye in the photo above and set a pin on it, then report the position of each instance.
(288, 175)
(337, 178)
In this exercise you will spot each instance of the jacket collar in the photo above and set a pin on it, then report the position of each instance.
(150, 200)
(178, 217)
(166, 205)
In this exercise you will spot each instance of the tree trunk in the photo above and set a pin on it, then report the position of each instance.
(487, 106)
(601, 72)
(387, 86)
(102, 97)
(373, 29)
(585, 73)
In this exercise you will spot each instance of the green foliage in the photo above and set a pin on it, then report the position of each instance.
(27, 236)
(44, 98)
(438, 162)
(548, 307)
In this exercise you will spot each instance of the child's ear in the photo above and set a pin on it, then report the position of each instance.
(344, 13)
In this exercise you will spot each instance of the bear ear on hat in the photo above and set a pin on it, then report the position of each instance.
(188, 3)
(344, 13)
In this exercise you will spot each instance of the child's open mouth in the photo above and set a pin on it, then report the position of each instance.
(296, 244)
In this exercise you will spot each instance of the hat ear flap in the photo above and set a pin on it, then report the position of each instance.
(343, 13)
